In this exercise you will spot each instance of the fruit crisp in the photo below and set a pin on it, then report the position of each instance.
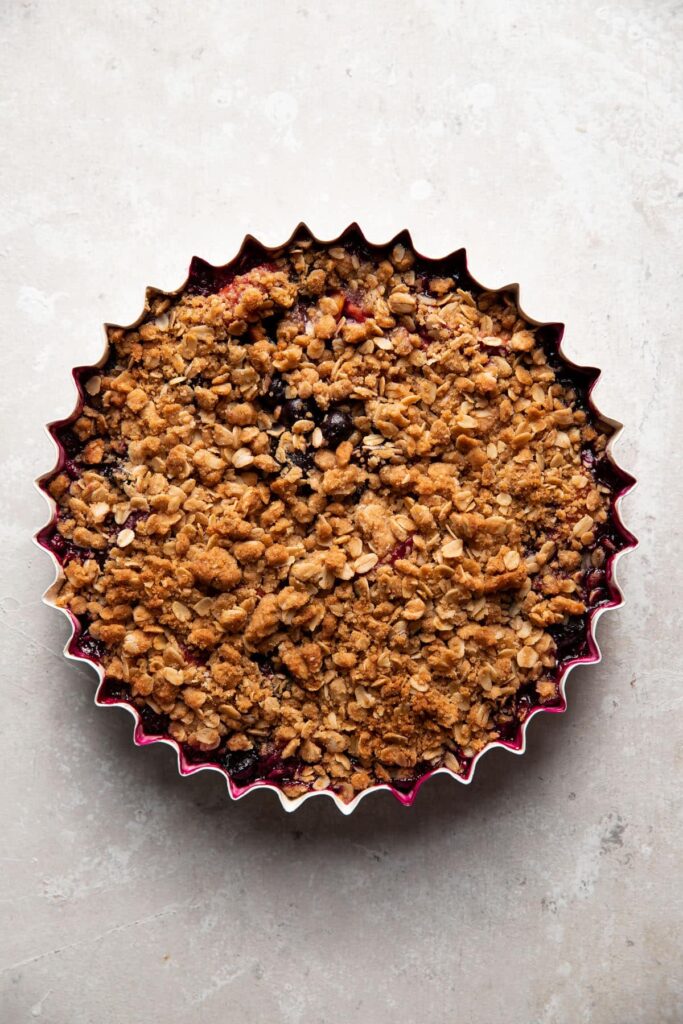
(333, 516)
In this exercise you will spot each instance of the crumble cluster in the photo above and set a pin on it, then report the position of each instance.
(331, 514)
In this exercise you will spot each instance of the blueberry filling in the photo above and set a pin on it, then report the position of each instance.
(603, 470)
(110, 469)
(153, 723)
(206, 280)
(66, 551)
(301, 458)
(588, 458)
(406, 783)
(85, 643)
(275, 394)
(193, 655)
(277, 770)
(246, 766)
(508, 727)
(194, 755)
(363, 457)
(241, 765)
(115, 690)
(426, 276)
(265, 664)
(135, 517)
(90, 647)
(401, 550)
(75, 463)
(509, 723)
(570, 638)
(71, 444)
(596, 587)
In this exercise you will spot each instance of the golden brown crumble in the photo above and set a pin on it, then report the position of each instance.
(331, 512)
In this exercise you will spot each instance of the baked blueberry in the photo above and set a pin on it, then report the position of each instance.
(336, 427)
(296, 409)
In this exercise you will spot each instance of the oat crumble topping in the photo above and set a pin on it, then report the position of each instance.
(333, 519)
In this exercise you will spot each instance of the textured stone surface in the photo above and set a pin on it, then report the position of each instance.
(544, 137)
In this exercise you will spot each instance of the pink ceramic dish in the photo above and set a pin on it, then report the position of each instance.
(576, 646)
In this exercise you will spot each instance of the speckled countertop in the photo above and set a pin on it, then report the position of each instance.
(542, 136)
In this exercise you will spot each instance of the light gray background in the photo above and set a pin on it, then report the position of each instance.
(544, 137)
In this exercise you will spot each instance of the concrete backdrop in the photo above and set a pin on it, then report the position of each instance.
(546, 138)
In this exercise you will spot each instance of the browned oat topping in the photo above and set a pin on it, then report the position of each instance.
(332, 514)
